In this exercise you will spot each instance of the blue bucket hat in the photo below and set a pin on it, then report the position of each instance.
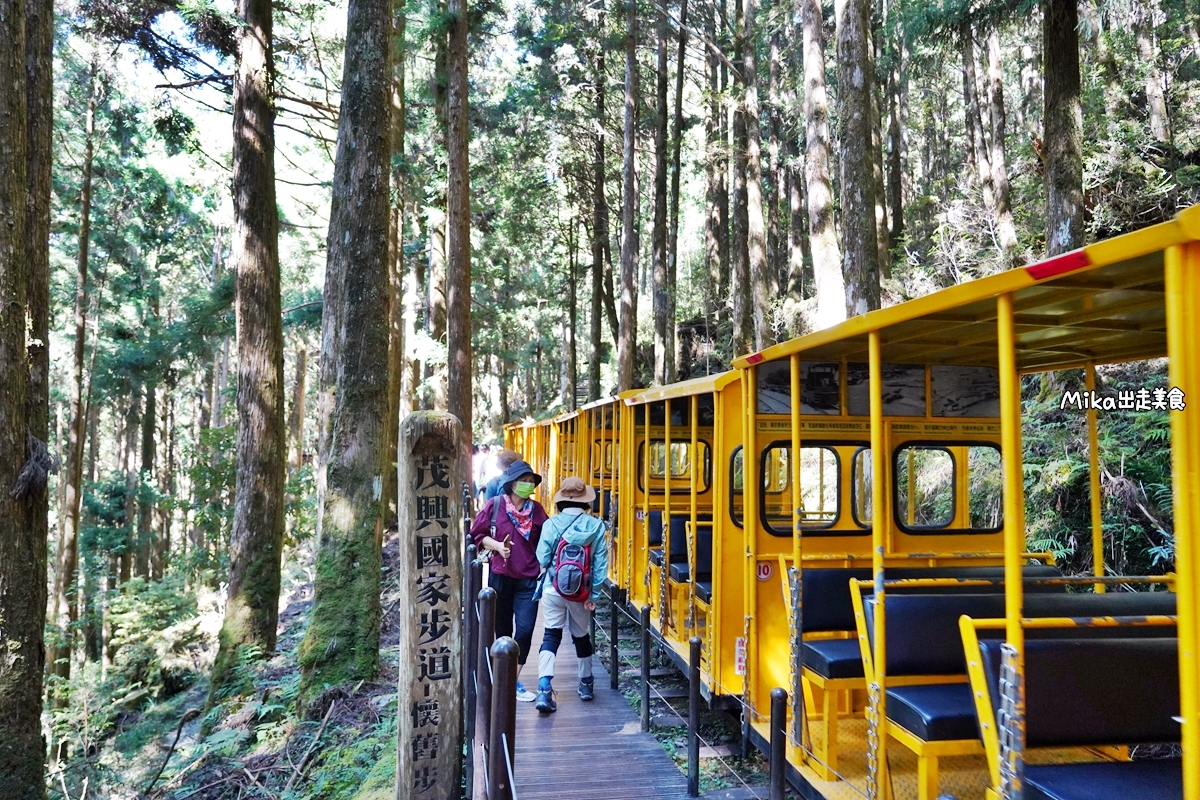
(516, 470)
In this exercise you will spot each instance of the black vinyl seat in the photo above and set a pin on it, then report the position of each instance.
(1092, 692)
(934, 712)
(680, 570)
(833, 658)
(704, 591)
(1137, 780)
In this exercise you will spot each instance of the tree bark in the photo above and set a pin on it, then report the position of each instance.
(298, 398)
(571, 357)
(65, 610)
(895, 165)
(256, 541)
(1147, 45)
(145, 527)
(1062, 146)
(776, 223)
(627, 341)
(22, 540)
(672, 366)
(342, 641)
(739, 280)
(756, 234)
(397, 363)
(796, 225)
(882, 245)
(716, 192)
(860, 253)
(977, 135)
(599, 226)
(658, 236)
(1006, 229)
(459, 360)
(828, 283)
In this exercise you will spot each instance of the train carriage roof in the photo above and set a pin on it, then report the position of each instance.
(705, 384)
(1103, 303)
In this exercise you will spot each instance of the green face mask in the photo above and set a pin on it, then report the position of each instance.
(524, 489)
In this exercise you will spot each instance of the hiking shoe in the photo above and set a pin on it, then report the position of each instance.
(524, 695)
(587, 689)
(545, 701)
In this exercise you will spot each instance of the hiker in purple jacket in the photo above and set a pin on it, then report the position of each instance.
(510, 525)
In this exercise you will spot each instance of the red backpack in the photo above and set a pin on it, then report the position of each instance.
(572, 571)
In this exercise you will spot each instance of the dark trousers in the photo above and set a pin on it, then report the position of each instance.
(515, 604)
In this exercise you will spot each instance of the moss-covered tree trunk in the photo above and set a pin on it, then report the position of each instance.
(739, 280)
(658, 232)
(860, 252)
(342, 641)
(756, 232)
(459, 361)
(22, 506)
(256, 542)
(627, 340)
(599, 229)
(828, 284)
(1063, 120)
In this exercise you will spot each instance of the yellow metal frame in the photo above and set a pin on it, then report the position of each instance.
(1182, 276)
(1128, 298)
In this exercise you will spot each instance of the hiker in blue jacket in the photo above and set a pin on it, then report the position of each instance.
(573, 551)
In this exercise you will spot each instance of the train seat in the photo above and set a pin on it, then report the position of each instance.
(934, 712)
(833, 658)
(606, 497)
(654, 536)
(1103, 691)
(1131, 780)
(681, 570)
(834, 666)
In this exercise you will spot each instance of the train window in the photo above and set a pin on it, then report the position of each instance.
(930, 484)
(607, 460)
(681, 466)
(819, 488)
(860, 489)
(965, 391)
(985, 488)
(924, 487)
(737, 480)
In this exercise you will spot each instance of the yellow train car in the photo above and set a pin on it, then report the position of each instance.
(842, 516)
(945, 484)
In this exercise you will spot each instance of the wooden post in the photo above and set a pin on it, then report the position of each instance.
(429, 507)
(483, 698)
(645, 666)
(614, 636)
(471, 580)
(693, 739)
(778, 756)
(501, 744)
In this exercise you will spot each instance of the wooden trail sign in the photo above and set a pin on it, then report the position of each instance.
(430, 480)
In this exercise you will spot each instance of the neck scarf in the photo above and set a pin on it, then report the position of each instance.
(521, 518)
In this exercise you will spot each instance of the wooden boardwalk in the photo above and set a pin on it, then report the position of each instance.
(588, 751)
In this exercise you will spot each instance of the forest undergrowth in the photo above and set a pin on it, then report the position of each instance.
(259, 743)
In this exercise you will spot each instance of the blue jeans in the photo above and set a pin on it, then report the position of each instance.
(515, 604)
